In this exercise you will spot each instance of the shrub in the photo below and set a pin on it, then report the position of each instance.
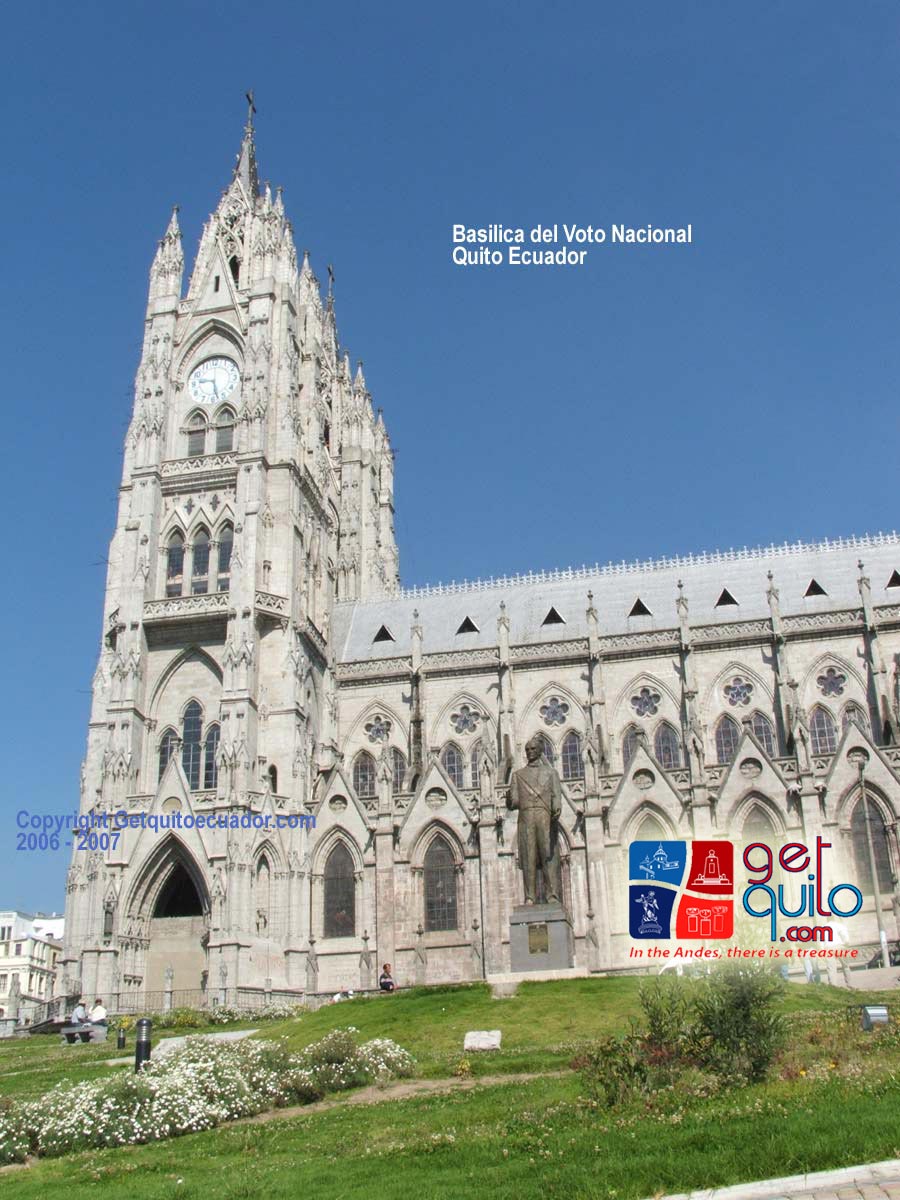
(736, 1030)
(198, 1086)
(667, 1006)
(614, 1070)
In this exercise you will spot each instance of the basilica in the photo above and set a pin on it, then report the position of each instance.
(259, 657)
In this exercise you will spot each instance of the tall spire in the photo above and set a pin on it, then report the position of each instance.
(168, 263)
(245, 168)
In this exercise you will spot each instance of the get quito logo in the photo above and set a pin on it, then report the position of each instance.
(702, 896)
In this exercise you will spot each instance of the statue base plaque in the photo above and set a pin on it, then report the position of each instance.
(540, 938)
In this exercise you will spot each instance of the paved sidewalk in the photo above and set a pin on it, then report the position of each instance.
(874, 1181)
(165, 1046)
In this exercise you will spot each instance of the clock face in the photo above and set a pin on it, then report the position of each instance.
(213, 380)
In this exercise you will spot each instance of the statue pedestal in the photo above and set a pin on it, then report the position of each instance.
(540, 938)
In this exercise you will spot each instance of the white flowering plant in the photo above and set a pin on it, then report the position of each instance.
(197, 1087)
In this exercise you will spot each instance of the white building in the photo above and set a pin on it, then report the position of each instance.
(30, 946)
(260, 660)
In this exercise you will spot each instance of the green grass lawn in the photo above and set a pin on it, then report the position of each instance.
(31, 1066)
(519, 1140)
(525, 1138)
(541, 1024)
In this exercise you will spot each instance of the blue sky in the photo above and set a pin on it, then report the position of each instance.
(657, 400)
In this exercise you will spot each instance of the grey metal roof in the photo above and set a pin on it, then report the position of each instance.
(442, 608)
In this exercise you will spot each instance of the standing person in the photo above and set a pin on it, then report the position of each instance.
(79, 1013)
(535, 791)
(386, 979)
(98, 1013)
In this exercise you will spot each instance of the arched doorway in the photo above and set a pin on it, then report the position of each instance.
(176, 901)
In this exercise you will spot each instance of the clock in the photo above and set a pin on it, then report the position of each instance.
(213, 380)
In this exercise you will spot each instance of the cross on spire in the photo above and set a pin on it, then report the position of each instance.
(251, 109)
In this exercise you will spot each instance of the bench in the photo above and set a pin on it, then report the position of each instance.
(86, 1032)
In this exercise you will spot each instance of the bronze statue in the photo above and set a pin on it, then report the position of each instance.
(535, 791)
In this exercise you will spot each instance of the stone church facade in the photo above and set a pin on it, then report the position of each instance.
(261, 669)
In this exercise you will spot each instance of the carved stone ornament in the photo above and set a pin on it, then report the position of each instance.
(436, 797)
(751, 768)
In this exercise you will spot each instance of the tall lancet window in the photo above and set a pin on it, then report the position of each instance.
(200, 563)
(210, 758)
(340, 893)
(440, 887)
(727, 738)
(167, 745)
(192, 733)
(225, 431)
(226, 545)
(823, 733)
(175, 564)
(196, 435)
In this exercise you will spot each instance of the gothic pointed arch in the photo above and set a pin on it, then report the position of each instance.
(364, 775)
(763, 729)
(189, 655)
(460, 718)
(170, 863)
(832, 676)
(644, 697)
(397, 727)
(439, 860)
(871, 841)
(648, 822)
(727, 737)
(630, 743)
(339, 892)
(175, 544)
(823, 734)
(736, 689)
(552, 707)
(757, 819)
(214, 336)
(667, 746)
(454, 763)
(571, 756)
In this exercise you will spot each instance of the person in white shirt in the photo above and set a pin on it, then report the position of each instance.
(344, 994)
(79, 1013)
(98, 1013)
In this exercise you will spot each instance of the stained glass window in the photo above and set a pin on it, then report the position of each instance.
(727, 738)
(167, 745)
(175, 564)
(667, 746)
(764, 733)
(475, 765)
(340, 893)
(364, 774)
(880, 848)
(398, 770)
(452, 759)
(822, 731)
(210, 756)
(225, 432)
(572, 762)
(196, 435)
(200, 564)
(440, 886)
(192, 732)
(226, 544)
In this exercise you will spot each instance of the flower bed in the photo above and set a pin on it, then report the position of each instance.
(197, 1087)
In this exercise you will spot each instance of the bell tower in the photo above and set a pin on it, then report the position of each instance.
(257, 488)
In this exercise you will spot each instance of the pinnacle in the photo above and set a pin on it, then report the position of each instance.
(245, 168)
